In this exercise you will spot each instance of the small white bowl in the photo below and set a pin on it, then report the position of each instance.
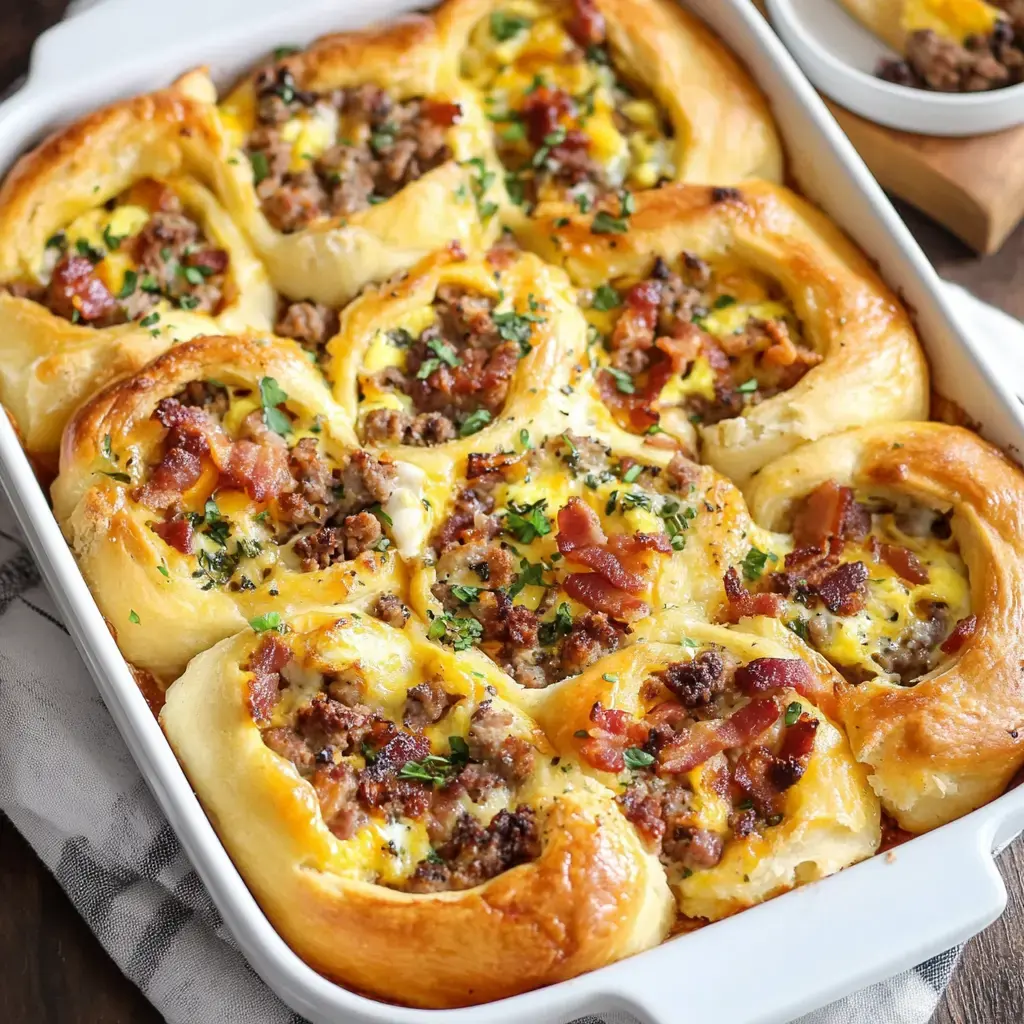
(840, 56)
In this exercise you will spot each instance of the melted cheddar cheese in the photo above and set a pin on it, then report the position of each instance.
(953, 19)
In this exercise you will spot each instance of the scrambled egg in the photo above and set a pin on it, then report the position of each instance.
(954, 19)
(524, 44)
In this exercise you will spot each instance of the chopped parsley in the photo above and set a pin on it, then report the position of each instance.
(260, 166)
(271, 396)
(748, 387)
(623, 381)
(754, 562)
(516, 327)
(605, 298)
(531, 575)
(636, 758)
(505, 26)
(474, 422)
(524, 438)
(133, 617)
(799, 626)
(148, 321)
(605, 223)
(268, 621)
(527, 522)
(610, 677)
(128, 285)
(443, 353)
(460, 634)
(631, 474)
(793, 712)
(553, 630)
(467, 595)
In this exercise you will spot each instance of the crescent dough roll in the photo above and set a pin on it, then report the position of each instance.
(403, 826)
(458, 353)
(895, 20)
(721, 755)
(590, 96)
(742, 310)
(355, 158)
(221, 485)
(111, 248)
(549, 556)
(907, 576)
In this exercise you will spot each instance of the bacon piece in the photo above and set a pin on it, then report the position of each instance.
(542, 111)
(798, 739)
(177, 533)
(830, 510)
(174, 474)
(742, 603)
(706, 739)
(261, 470)
(683, 345)
(634, 412)
(903, 562)
(639, 317)
(962, 632)
(579, 527)
(402, 748)
(213, 260)
(586, 24)
(265, 664)
(843, 589)
(441, 113)
(481, 464)
(762, 675)
(613, 732)
(603, 562)
(75, 292)
(599, 595)
(154, 195)
(632, 543)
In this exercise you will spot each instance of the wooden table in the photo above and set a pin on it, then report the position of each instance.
(55, 972)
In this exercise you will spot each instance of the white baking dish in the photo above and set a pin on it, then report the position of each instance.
(768, 964)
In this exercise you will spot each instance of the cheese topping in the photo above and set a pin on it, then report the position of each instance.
(953, 19)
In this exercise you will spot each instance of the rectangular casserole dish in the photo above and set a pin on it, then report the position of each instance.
(798, 951)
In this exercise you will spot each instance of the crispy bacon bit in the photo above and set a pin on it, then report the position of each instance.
(174, 474)
(790, 763)
(265, 664)
(622, 544)
(706, 739)
(579, 527)
(75, 292)
(177, 533)
(843, 589)
(962, 632)
(613, 732)
(402, 748)
(635, 327)
(261, 470)
(481, 464)
(586, 25)
(903, 562)
(762, 675)
(742, 603)
(441, 113)
(830, 511)
(543, 109)
(594, 591)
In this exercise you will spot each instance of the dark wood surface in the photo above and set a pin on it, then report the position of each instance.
(52, 970)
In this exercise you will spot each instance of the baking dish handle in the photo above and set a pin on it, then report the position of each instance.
(946, 891)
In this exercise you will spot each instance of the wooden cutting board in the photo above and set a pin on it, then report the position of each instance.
(974, 187)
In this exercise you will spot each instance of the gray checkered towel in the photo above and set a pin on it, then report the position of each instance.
(105, 839)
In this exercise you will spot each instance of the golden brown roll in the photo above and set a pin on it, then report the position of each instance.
(459, 353)
(722, 757)
(357, 157)
(112, 248)
(741, 310)
(404, 827)
(221, 485)
(554, 554)
(588, 97)
(904, 571)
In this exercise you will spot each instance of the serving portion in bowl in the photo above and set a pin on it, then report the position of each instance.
(536, 546)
